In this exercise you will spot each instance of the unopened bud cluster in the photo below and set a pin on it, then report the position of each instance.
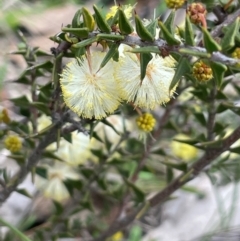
(4, 117)
(13, 143)
(146, 122)
(202, 72)
(174, 3)
(197, 13)
(236, 54)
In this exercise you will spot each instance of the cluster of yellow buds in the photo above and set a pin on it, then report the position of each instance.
(197, 13)
(202, 72)
(4, 117)
(174, 3)
(118, 236)
(146, 122)
(236, 54)
(13, 143)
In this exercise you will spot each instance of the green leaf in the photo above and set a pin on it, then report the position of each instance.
(23, 80)
(169, 174)
(201, 118)
(235, 150)
(211, 144)
(134, 146)
(99, 153)
(86, 203)
(76, 19)
(194, 53)
(182, 69)
(96, 136)
(209, 43)
(3, 73)
(100, 20)
(140, 196)
(24, 192)
(193, 190)
(110, 37)
(88, 19)
(58, 208)
(68, 137)
(21, 101)
(145, 58)
(48, 65)
(124, 25)
(87, 172)
(151, 27)
(228, 40)
(149, 49)
(78, 32)
(41, 171)
(85, 42)
(223, 107)
(168, 36)
(142, 31)
(135, 233)
(20, 159)
(106, 122)
(14, 230)
(108, 143)
(189, 37)
(218, 72)
(160, 152)
(219, 127)
(41, 107)
(182, 166)
(51, 155)
(169, 23)
(112, 51)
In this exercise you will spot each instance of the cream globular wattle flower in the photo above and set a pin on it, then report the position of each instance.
(87, 90)
(153, 90)
(53, 187)
(128, 9)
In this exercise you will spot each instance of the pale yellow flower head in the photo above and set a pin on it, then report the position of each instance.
(154, 89)
(126, 8)
(78, 152)
(75, 153)
(88, 91)
(183, 151)
(53, 187)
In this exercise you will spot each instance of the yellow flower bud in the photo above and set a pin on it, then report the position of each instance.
(146, 122)
(13, 143)
(4, 117)
(118, 236)
(202, 72)
(174, 3)
(236, 55)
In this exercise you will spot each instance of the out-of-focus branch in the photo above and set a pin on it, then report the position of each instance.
(230, 19)
(162, 44)
(34, 157)
(161, 196)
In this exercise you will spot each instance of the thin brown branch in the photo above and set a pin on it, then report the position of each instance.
(230, 19)
(160, 197)
(35, 156)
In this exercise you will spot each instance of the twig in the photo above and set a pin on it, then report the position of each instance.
(160, 197)
(34, 157)
(230, 19)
